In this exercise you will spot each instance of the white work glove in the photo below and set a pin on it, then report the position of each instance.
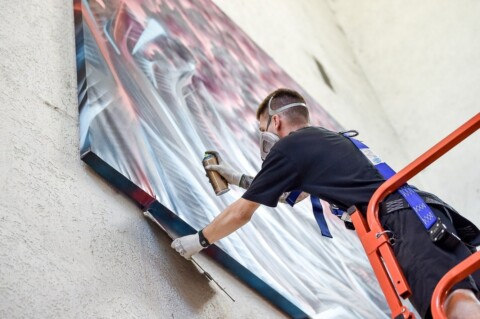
(232, 176)
(187, 246)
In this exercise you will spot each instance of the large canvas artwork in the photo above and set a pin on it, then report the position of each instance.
(162, 81)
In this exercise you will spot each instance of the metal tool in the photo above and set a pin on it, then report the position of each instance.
(205, 273)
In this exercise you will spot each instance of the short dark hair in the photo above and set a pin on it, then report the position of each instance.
(282, 97)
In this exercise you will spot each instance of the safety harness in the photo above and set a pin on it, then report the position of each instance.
(410, 198)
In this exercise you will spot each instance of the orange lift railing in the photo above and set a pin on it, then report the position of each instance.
(456, 274)
(376, 242)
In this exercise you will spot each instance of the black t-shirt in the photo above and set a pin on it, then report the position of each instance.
(320, 162)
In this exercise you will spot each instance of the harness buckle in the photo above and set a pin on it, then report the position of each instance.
(344, 216)
(442, 237)
(349, 133)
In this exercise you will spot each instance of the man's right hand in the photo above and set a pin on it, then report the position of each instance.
(231, 176)
(188, 245)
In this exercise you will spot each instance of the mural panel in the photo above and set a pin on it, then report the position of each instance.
(162, 81)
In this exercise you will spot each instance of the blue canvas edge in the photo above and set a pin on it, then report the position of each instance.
(175, 225)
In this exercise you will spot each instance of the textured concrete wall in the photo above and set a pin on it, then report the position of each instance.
(72, 247)
(300, 36)
(422, 59)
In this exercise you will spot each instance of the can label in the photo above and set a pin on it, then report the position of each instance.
(219, 184)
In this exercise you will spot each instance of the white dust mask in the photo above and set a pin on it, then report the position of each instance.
(267, 140)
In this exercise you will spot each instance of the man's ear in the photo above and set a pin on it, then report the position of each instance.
(277, 121)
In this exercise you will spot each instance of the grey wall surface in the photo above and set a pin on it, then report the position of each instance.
(73, 247)
(404, 74)
(422, 61)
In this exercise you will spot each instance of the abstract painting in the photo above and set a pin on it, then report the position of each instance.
(162, 81)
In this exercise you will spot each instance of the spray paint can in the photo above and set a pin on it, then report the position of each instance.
(219, 184)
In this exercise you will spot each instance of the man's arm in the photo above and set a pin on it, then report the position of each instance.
(243, 180)
(232, 218)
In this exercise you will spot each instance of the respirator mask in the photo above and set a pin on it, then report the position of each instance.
(268, 139)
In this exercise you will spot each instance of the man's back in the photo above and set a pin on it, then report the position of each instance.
(319, 162)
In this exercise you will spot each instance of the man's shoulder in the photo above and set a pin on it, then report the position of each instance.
(312, 130)
(307, 133)
(297, 143)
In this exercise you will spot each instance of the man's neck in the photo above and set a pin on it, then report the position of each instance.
(293, 128)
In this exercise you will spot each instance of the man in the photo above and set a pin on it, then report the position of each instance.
(328, 165)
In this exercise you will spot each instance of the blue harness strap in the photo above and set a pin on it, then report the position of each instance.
(422, 210)
(292, 197)
(317, 211)
(319, 217)
(424, 213)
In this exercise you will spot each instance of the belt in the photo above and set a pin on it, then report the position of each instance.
(394, 205)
